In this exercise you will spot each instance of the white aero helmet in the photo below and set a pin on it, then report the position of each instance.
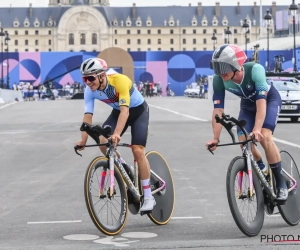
(93, 65)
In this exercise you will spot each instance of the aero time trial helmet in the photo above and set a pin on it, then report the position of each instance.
(228, 58)
(93, 65)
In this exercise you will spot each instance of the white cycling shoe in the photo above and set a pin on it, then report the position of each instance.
(148, 204)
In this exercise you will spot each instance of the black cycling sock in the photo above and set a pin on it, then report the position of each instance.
(277, 171)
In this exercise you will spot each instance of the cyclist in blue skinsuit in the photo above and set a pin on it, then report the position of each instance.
(260, 106)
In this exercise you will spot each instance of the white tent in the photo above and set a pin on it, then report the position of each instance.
(111, 71)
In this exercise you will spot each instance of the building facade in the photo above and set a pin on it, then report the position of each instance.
(93, 25)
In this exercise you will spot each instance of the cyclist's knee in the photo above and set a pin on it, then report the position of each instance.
(268, 137)
(138, 151)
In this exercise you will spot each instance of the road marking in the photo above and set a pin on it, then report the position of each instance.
(54, 222)
(186, 218)
(7, 105)
(81, 237)
(177, 113)
(139, 235)
(203, 120)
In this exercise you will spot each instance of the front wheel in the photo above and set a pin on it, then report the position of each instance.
(251, 222)
(108, 213)
(290, 211)
(165, 199)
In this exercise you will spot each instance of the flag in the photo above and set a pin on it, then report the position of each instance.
(217, 102)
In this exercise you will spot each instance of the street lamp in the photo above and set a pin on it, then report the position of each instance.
(2, 34)
(228, 32)
(214, 39)
(268, 18)
(246, 30)
(293, 8)
(7, 39)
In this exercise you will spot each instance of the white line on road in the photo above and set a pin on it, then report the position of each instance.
(186, 218)
(7, 105)
(177, 113)
(199, 119)
(54, 222)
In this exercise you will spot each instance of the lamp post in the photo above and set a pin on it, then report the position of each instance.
(293, 8)
(228, 32)
(2, 34)
(214, 39)
(268, 18)
(7, 39)
(246, 30)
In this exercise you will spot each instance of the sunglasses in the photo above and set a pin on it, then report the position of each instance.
(91, 78)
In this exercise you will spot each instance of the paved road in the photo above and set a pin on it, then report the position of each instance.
(42, 180)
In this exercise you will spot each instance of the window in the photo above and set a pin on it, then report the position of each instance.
(172, 49)
(36, 42)
(26, 32)
(49, 32)
(184, 31)
(159, 41)
(171, 41)
(158, 31)
(128, 32)
(248, 40)
(26, 50)
(36, 32)
(36, 50)
(16, 32)
(94, 38)
(225, 40)
(116, 32)
(82, 38)
(128, 49)
(159, 49)
(26, 42)
(16, 50)
(235, 41)
(49, 50)
(71, 39)
(235, 31)
(204, 31)
(149, 41)
(184, 49)
(171, 31)
(16, 42)
(215, 31)
(116, 41)
(49, 42)
(149, 49)
(194, 41)
(148, 32)
(204, 41)
(139, 49)
(139, 32)
(194, 31)
(184, 41)
(139, 41)
(204, 48)
(194, 49)
(128, 41)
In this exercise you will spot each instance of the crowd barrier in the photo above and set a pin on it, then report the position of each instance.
(7, 95)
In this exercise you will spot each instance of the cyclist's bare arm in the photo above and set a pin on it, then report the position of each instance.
(217, 127)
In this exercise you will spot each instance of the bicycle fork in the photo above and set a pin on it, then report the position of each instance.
(250, 177)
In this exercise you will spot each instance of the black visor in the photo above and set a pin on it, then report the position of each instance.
(221, 68)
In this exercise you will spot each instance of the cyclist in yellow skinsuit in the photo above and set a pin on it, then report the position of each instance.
(129, 109)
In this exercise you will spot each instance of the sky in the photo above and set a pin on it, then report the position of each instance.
(44, 3)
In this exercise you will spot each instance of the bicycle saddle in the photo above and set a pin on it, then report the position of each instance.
(95, 131)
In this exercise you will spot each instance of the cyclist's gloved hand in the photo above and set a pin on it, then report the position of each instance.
(212, 144)
(258, 135)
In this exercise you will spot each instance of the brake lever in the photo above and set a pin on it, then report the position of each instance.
(252, 139)
(76, 148)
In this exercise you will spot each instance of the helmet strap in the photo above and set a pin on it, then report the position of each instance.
(233, 74)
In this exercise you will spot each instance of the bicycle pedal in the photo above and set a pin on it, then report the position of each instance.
(146, 212)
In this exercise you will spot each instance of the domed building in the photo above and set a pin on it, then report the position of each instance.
(93, 25)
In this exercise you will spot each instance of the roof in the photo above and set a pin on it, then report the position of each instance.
(158, 15)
